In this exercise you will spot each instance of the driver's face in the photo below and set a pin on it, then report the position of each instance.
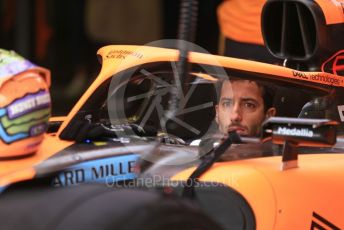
(241, 108)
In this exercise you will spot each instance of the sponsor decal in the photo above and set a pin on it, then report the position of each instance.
(319, 77)
(320, 223)
(334, 64)
(122, 54)
(302, 132)
(299, 74)
(107, 170)
(25, 117)
(341, 112)
(28, 104)
(324, 78)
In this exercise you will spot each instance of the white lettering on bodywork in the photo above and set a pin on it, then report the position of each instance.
(341, 112)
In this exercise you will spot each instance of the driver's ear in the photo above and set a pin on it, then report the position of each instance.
(217, 114)
(270, 112)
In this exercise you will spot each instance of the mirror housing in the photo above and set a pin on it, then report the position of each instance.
(296, 132)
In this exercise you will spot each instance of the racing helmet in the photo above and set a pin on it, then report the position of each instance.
(25, 105)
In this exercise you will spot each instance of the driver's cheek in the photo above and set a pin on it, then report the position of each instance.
(253, 122)
(224, 119)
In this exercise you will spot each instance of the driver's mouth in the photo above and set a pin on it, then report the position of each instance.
(239, 129)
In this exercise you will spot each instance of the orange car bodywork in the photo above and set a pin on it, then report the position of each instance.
(333, 11)
(317, 184)
(285, 199)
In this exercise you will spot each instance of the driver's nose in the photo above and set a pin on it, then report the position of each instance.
(236, 115)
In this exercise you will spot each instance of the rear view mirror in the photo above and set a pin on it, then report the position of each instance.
(295, 132)
(303, 132)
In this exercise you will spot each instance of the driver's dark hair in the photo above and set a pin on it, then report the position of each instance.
(268, 92)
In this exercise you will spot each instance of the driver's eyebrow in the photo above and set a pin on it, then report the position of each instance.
(226, 98)
(245, 99)
(241, 99)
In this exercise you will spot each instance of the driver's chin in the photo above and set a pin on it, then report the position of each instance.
(243, 132)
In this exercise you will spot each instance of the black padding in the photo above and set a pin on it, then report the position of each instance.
(223, 204)
(97, 207)
(226, 206)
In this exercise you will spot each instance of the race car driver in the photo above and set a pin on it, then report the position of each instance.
(243, 106)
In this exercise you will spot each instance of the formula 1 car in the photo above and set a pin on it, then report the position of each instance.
(156, 153)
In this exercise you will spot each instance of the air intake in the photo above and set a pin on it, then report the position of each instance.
(295, 30)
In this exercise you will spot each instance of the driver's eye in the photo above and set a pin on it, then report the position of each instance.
(249, 106)
(227, 103)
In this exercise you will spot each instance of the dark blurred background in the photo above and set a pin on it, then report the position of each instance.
(64, 35)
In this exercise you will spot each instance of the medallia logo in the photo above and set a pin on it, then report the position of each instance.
(303, 132)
